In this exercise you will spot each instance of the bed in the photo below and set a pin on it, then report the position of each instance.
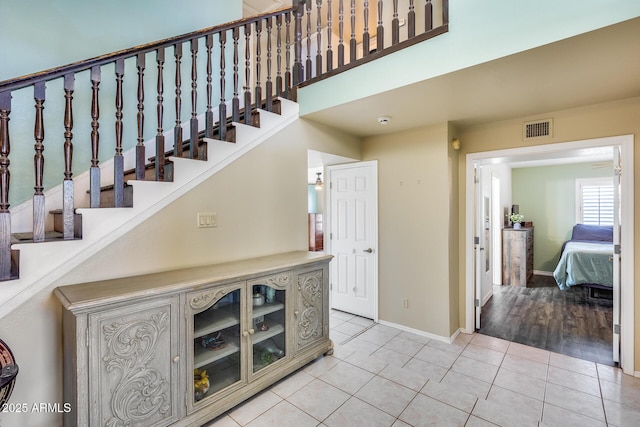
(586, 259)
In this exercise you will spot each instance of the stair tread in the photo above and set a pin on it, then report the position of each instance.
(27, 237)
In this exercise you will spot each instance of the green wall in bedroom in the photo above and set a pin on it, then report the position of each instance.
(547, 196)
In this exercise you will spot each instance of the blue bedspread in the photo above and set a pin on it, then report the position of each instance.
(585, 263)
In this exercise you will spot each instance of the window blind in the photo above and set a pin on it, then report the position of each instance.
(596, 205)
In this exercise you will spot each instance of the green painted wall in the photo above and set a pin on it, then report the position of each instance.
(547, 196)
(42, 34)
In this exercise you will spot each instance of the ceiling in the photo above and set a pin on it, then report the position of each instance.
(256, 7)
(596, 67)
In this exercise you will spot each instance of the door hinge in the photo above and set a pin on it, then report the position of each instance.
(331, 186)
(476, 240)
(616, 249)
(330, 286)
(330, 236)
(616, 329)
(477, 302)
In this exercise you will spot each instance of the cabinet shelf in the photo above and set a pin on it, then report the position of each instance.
(263, 310)
(274, 330)
(203, 356)
(216, 320)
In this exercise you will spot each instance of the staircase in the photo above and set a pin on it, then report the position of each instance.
(273, 54)
(43, 263)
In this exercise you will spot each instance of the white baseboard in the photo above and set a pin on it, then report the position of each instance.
(543, 273)
(447, 340)
(487, 297)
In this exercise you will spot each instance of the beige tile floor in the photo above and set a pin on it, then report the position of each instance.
(382, 376)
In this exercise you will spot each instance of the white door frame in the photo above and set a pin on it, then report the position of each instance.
(327, 221)
(627, 218)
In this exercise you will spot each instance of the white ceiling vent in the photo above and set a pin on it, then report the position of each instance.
(537, 129)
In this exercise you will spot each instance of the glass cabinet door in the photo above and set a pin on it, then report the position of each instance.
(268, 324)
(217, 362)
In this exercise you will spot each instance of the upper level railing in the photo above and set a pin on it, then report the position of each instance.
(256, 61)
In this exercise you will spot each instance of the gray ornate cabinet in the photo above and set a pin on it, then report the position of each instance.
(181, 347)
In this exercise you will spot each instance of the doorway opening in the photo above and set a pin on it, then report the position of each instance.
(559, 153)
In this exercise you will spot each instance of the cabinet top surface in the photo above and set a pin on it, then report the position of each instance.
(86, 295)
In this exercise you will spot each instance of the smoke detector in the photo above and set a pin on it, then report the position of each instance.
(384, 120)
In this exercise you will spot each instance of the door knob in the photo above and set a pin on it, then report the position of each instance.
(370, 251)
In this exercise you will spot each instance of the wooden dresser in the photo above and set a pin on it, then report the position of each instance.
(316, 235)
(517, 256)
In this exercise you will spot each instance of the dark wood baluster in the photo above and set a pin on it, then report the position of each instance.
(160, 57)
(235, 103)
(308, 63)
(353, 46)
(269, 83)
(279, 89)
(411, 20)
(395, 25)
(118, 159)
(5, 214)
(380, 29)
(38, 164)
(247, 74)
(193, 128)
(329, 48)
(258, 61)
(140, 150)
(340, 33)
(222, 108)
(177, 129)
(67, 184)
(428, 16)
(94, 171)
(319, 37)
(298, 67)
(445, 12)
(287, 65)
(208, 123)
(366, 38)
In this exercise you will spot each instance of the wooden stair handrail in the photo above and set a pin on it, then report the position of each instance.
(75, 67)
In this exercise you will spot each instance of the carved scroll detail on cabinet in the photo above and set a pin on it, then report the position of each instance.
(278, 280)
(141, 390)
(204, 300)
(310, 286)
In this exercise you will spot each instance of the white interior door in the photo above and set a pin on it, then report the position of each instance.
(617, 168)
(486, 241)
(479, 249)
(353, 241)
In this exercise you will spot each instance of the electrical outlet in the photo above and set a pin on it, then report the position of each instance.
(207, 220)
(405, 302)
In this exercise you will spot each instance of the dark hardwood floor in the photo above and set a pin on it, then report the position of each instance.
(541, 315)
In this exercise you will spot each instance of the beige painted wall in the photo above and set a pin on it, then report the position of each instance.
(595, 121)
(261, 202)
(413, 205)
